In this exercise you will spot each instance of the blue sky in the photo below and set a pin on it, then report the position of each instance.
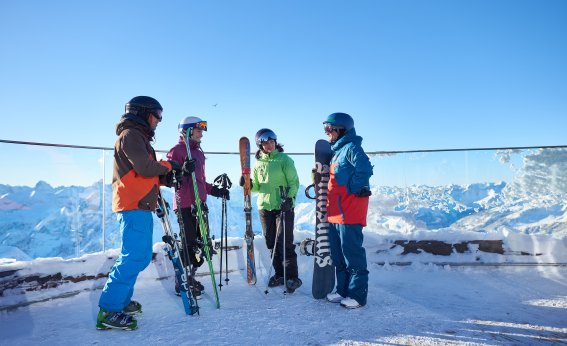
(413, 74)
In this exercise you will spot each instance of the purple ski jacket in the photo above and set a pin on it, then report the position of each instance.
(186, 193)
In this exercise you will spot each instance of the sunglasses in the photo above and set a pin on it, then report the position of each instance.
(156, 115)
(330, 128)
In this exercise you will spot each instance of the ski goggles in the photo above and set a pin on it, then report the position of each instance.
(330, 128)
(202, 125)
(266, 136)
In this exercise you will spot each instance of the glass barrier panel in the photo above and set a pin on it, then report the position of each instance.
(479, 191)
(54, 205)
(50, 204)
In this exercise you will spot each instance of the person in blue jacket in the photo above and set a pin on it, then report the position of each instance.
(347, 207)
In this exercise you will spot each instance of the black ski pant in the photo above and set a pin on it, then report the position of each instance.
(190, 236)
(271, 222)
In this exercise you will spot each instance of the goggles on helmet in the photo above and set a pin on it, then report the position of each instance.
(330, 128)
(202, 125)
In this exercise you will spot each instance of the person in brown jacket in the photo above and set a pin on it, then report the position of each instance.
(135, 185)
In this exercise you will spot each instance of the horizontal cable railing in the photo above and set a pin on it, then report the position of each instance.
(371, 153)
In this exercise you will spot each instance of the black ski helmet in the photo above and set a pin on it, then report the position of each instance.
(264, 135)
(340, 120)
(140, 105)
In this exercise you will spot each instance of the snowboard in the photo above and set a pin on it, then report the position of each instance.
(244, 145)
(323, 269)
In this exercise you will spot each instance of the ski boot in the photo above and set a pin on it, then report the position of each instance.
(293, 284)
(275, 281)
(115, 320)
(194, 289)
(133, 308)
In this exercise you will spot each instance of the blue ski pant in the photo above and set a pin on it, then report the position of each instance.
(349, 258)
(136, 227)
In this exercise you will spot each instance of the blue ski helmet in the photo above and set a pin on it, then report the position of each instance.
(264, 135)
(340, 120)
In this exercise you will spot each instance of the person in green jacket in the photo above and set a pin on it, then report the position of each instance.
(271, 170)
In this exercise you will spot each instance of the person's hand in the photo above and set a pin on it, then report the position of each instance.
(241, 183)
(221, 193)
(188, 167)
(364, 192)
(286, 205)
(175, 166)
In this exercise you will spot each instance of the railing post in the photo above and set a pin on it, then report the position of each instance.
(103, 201)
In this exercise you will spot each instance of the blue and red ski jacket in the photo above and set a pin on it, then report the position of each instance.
(350, 173)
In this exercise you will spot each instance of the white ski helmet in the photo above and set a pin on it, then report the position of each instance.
(191, 122)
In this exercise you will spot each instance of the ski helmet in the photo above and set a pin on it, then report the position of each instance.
(191, 122)
(264, 135)
(340, 120)
(142, 104)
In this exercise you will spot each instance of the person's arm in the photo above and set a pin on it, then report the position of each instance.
(362, 170)
(134, 147)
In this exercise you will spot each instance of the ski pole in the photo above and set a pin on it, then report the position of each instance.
(266, 291)
(223, 182)
(283, 197)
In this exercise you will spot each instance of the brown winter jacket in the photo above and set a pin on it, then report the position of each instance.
(136, 175)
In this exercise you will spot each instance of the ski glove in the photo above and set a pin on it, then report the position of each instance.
(364, 192)
(286, 205)
(242, 181)
(188, 167)
(221, 193)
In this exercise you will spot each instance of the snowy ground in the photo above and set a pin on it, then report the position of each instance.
(417, 305)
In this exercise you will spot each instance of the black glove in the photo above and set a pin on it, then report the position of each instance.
(286, 205)
(188, 167)
(175, 166)
(221, 193)
(241, 183)
(364, 192)
(175, 170)
(168, 180)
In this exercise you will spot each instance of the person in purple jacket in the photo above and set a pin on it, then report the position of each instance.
(186, 211)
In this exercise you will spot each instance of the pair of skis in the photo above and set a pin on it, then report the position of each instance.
(244, 148)
(202, 221)
(182, 273)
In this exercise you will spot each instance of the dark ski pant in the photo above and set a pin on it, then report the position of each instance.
(136, 227)
(349, 258)
(271, 222)
(189, 236)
